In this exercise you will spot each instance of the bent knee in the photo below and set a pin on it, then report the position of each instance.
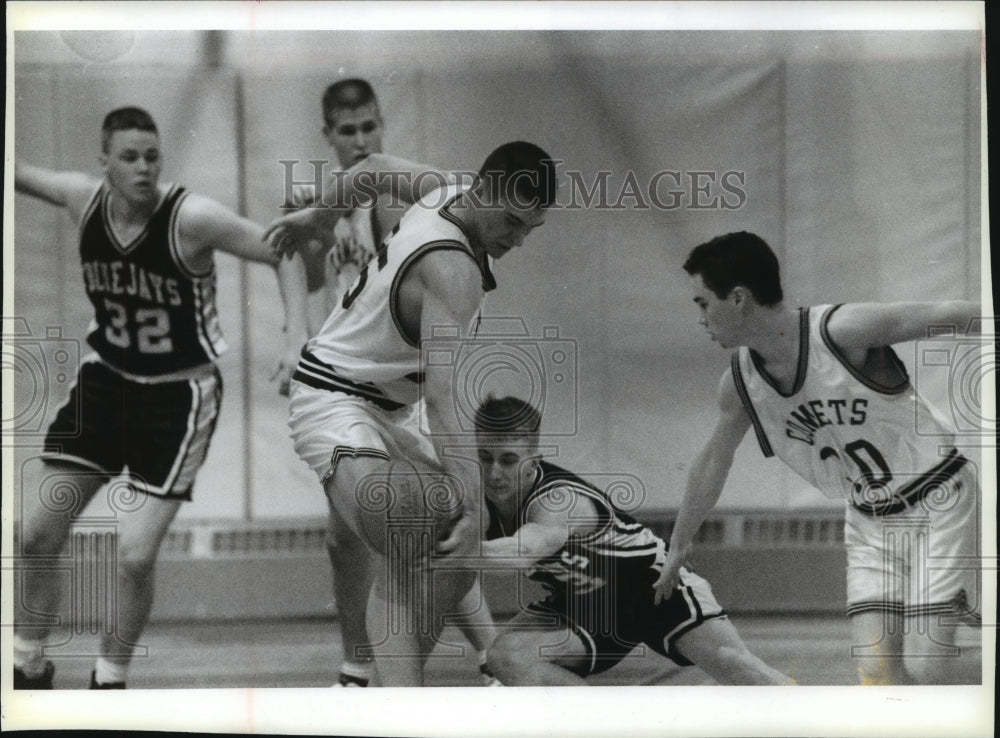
(135, 562)
(509, 650)
(735, 659)
(732, 664)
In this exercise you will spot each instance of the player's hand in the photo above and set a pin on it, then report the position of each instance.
(303, 195)
(292, 232)
(282, 374)
(670, 576)
(461, 539)
(343, 252)
(347, 250)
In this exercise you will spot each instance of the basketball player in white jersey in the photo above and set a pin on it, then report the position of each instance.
(353, 126)
(356, 395)
(824, 392)
(145, 403)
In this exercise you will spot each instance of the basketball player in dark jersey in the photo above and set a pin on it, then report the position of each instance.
(147, 398)
(598, 566)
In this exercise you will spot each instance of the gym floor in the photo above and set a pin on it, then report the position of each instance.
(271, 676)
(812, 649)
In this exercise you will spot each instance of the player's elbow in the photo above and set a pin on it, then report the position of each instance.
(705, 483)
(967, 316)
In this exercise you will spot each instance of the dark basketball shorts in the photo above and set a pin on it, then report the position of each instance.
(155, 434)
(612, 624)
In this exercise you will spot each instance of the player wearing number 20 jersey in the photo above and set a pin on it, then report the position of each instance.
(153, 315)
(824, 392)
(847, 430)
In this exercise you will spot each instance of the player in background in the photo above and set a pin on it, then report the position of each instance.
(148, 397)
(362, 392)
(824, 392)
(353, 126)
(597, 565)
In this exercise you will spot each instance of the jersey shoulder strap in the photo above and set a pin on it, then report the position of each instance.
(744, 395)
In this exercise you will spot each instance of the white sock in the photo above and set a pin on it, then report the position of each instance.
(108, 672)
(358, 669)
(28, 656)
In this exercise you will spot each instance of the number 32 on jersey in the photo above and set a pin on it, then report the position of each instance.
(149, 328)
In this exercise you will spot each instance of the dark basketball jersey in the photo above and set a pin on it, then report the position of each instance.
(618, 552)
(152, 314)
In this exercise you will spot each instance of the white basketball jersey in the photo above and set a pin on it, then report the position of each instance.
(353, 237)
(841, 430)
(362, 348)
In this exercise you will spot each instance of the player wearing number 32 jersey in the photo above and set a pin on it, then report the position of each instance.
(145, 282)
(144, 404)
(824, 391)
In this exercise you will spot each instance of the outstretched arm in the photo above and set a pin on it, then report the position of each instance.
(705, 482)
(385, 174)
(546, 530)
(451, 289)
(70, 190)
(361, 185)
(292, 284)
(206, 226)
(865, 325)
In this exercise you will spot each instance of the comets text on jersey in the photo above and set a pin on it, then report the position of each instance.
(803, 422)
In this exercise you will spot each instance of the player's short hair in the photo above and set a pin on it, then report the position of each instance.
(125, 119)
(347, 94)
(523, 172)
(507, 416)
(739, 258)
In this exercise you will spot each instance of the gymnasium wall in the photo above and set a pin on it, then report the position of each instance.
(857, 156)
